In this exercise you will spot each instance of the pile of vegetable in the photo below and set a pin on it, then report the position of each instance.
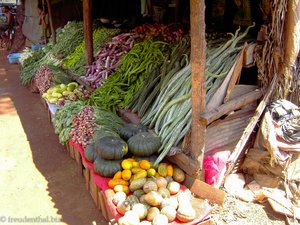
(62, 93)
(120, 87)
(83, 126)
(47, 76)
(89, 121)
(151, 194)
(42, 79)
(107, 59)
(168, 33)
(67, 39)
(62, 120)
(76, 60)
(170, 114)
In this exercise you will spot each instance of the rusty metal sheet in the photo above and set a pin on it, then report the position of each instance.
(225, 134)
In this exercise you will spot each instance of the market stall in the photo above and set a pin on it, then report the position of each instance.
(147, 109)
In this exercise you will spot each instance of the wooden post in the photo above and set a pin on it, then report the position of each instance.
(88, 30)
(51, 22)
(198, 60)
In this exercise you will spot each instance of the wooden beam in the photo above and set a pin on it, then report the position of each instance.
(51, 22)
(185, 163)
(198, 61)
(231, 105)
(250, 127)
(204, 190)
(88, 30)
(235, 75)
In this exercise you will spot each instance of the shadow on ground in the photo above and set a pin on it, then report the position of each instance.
(66, 186)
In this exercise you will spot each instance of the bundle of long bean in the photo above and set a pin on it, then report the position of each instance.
(170, 114)
(152, 85)
(76, 60)
(108, 58)
(121, 86)
(62, 120)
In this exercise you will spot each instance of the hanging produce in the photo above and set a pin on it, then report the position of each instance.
(121, 86)
(62, 120)
(76, 61)
(108, 58)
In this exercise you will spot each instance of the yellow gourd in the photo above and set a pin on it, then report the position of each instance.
(126, 175)
(162, 169)
(118, 175)
(122, 188)
(145, 164)
(113, 182)
(170, 170)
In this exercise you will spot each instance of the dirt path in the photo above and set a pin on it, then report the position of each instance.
(39, 182)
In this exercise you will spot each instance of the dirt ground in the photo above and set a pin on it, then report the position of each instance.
(39, 182)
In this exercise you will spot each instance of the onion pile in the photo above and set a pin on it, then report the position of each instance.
(83, 126)
(43, 78)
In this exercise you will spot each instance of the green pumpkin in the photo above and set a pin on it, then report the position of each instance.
(103, 132)
(131, 129)
(90, 153)
(144, 144)
(106, 168)
(111, 147)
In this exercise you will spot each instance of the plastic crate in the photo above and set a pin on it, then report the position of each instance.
(13, 57)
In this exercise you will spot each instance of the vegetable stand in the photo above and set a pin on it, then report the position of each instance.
(102, 194)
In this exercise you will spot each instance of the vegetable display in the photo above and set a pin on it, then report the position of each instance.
(150, 195)
(76, 60)
(62, 93)
(43, 78)
(89, 121)
(47, 76)
(67, 40)
(119, 89)
(62, 120)
(170, 114)
(83, 126)
(107, 59)
(168, 33)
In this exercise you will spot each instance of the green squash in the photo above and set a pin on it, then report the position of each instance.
(111, 147)
(144, 144)
(103, 132)
(131, 129)
(90, 153)
(106, 168)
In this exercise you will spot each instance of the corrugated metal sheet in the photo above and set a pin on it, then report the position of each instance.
(224, 134)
